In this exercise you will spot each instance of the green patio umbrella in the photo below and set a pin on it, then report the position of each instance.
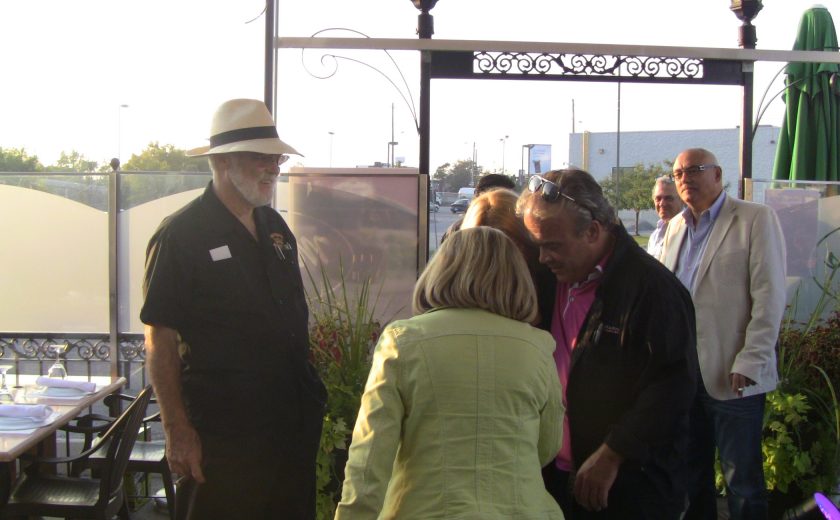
(809, 141)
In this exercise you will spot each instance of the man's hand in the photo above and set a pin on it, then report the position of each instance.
(595, 478)
(738, 382)
(183, 452)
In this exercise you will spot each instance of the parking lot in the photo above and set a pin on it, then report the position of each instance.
(438, 223)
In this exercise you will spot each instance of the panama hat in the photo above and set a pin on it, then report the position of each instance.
(243, 125)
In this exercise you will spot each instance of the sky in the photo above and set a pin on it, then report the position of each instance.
(70, 66)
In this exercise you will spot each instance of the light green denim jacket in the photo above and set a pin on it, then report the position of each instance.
(461, 409)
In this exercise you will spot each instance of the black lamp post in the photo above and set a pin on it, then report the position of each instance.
(746, 10)
(425, 29)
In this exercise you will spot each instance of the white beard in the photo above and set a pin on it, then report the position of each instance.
(250, 190)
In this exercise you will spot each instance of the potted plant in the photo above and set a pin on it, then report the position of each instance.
(343, 332)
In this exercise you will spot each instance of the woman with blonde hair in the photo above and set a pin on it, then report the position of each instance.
(462, 405)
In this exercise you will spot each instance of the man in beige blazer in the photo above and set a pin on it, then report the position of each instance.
(730, 255)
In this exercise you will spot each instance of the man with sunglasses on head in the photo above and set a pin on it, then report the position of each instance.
(624, 327)
(730, 255)
(227, 340)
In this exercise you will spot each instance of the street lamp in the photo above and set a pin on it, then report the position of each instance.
(746, 10)
(119, 131)
(331, 146)
(503, 140)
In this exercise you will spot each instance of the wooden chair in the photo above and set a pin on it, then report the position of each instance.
(38, 494)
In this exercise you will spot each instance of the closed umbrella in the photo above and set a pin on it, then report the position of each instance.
(809, 141)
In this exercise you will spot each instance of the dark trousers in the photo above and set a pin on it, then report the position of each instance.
(734, 427)
(558, 484)
(249, 478)
(633, 496)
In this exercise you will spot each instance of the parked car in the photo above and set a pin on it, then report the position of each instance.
(433, 206)
(459, 206)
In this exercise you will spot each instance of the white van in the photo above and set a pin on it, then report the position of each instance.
(466, 193)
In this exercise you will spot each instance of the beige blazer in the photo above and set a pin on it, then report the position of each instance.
(738, 293)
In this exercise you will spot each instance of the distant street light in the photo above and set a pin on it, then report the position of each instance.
(119, 131)
(504, 145)
(331, 146)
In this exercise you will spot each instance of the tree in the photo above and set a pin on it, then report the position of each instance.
(165, 158)
(635, 188)
(459, 175)
(73, 162)
(137, 189)
(17, 160)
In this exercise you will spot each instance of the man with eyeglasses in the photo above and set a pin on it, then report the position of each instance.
(730, 254)
(227, 339)
(667, 203)
(624, 327)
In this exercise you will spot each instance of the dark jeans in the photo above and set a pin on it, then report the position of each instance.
(633, 496)
(733, 427)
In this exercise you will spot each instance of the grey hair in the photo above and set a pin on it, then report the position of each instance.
(664, 179)
(589, 201)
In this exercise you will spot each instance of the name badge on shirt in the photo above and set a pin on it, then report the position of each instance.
(220, 253)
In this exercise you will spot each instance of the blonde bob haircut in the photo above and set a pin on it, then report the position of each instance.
(478, 268)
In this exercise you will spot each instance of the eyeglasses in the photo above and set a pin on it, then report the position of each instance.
(550, 191)
(263, 158)
(691, 171)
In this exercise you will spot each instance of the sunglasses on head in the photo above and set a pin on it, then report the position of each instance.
(550, 191)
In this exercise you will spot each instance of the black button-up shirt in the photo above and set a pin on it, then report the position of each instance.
(239, 306)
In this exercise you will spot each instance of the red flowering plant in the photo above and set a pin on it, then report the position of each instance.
(343, 332)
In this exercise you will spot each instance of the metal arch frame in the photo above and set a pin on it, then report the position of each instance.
(454, 59)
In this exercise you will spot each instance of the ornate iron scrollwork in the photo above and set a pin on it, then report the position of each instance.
(132, 348)
(587, 65)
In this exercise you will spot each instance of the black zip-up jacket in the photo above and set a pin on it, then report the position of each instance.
(634, 368)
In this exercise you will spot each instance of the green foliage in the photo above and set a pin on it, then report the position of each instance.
(165, 158)
(343, 332)
(138, 189)
(17, 160)
(461, 174)
(73, 162)
(802, 421)
(785, 460)
(801, 440)
(635, 188)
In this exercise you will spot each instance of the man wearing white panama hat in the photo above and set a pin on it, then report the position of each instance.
(226, 335)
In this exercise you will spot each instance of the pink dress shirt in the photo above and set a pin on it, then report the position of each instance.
(571, 306)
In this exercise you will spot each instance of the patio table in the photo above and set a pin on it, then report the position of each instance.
(13, 445)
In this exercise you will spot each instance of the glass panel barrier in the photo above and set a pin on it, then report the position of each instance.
(54, 259)
(809, 213)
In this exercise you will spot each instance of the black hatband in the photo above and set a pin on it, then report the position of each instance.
(243, 134)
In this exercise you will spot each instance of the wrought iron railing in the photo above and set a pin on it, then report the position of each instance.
(86, 354)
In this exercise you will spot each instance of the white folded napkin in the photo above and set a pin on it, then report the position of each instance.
(33, 411)
(84, 386)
